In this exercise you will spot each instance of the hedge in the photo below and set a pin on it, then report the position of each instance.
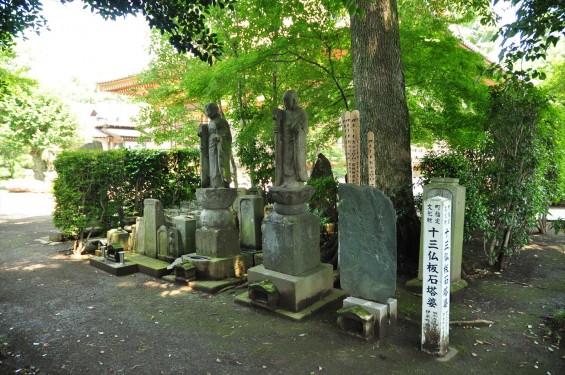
(101, 188)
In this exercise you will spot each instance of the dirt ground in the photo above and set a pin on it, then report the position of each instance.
(59, 315)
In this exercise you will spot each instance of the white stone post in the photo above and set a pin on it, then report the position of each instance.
(436, 278)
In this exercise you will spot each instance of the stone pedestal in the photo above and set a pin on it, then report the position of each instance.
(291, 243)
(215, 268)
(295, 292)
(291, 256)
(217, 241)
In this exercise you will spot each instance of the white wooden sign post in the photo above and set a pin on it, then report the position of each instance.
(436, 278)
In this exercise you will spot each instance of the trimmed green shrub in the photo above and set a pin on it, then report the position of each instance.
(101, 188)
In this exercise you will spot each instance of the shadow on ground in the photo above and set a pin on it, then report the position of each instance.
(62, 316)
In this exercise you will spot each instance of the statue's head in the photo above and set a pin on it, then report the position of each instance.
(290, 99)
(211, 110)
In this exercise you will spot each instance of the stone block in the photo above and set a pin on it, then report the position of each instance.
(187, 230)
(153, 218)
(217, 242)
(385, 314)
(357, 322)
(119, 236)
(296, 292)
(264, 293)
(139, 247)
(185, 271)
(367, 242)
(291, 244)
(250, 220)
(211, 268)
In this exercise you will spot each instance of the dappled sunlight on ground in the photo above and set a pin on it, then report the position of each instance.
(156, 284)
(173, 291)
(176, 292)
(71, 258)
(33, 267)
(125, 284)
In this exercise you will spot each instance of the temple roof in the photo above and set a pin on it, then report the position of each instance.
(126, 86)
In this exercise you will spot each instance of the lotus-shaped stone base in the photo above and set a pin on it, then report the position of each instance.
(290, 201)
(216, 198)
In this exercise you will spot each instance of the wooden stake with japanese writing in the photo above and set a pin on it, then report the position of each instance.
(436, 278)
(371, 159)
(351, 141)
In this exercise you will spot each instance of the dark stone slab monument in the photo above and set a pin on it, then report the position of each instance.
(367, 243)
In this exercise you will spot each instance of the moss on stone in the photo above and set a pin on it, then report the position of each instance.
(187, 265)
(266, 285)
(357, 311)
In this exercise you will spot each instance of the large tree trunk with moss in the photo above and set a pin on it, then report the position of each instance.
(381, 100)
(38, 165)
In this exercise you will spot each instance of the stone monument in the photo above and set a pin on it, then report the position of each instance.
(436, 242)
(291, 278)
(218, 255)
(367, 242)
(451, 189)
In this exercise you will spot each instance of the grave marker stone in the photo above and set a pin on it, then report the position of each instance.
(367, 241)
(153, 218)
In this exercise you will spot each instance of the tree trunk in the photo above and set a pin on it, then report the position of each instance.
(378, 78)
(38, 165)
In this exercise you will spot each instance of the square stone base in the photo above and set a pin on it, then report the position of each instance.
(211, 268)
(296, 292)
(333, 299)
(217, 243)
(115, 268)
(291, 243)
(215, 286)
(368, 319)
(149, 266)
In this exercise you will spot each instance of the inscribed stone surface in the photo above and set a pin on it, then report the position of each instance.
(367, 243)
